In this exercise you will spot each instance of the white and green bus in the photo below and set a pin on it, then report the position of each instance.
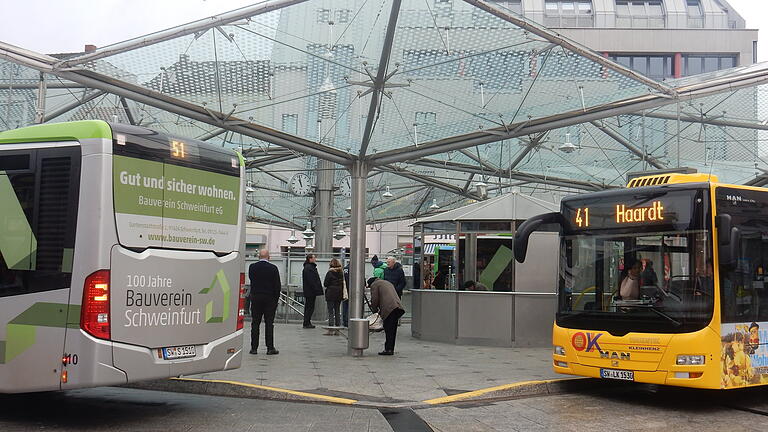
(121, 252)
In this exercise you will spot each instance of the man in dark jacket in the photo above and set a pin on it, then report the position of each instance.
(312, 286)
(395, 275)
(265, 293)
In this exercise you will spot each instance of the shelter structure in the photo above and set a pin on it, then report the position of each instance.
(473, 291)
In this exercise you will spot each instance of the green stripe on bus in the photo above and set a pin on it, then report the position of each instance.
(21, 332)
(70, 131)
(18, 245)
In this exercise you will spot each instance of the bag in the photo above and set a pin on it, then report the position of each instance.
(375, 323)
(344, 293)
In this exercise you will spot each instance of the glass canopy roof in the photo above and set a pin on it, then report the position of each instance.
(435, 96)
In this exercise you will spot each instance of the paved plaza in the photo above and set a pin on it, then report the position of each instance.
(419, 370)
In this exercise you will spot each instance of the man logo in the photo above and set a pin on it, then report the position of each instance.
(221, 278)
(588, 342)
(613, 355)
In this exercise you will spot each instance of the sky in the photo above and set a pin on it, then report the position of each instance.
(52, 26)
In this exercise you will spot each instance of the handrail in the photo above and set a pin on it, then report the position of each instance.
(285, 298)
(520, 293)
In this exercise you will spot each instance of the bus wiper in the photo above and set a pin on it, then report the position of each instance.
(657, 312)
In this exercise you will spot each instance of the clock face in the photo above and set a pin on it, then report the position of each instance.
(301, 185)
(345, 187)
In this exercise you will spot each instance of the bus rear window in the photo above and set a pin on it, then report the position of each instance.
(37, 225)
(175, 193)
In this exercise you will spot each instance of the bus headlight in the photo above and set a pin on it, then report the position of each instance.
(690, 360)
(559, 350)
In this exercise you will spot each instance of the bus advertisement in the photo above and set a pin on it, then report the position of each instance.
(121, 256)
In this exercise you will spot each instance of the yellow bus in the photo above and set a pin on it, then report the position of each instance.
(662, 282)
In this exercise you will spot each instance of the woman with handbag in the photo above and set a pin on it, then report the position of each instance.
(386, 302)
(334, 293)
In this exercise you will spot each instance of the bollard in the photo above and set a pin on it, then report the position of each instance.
(358, 335)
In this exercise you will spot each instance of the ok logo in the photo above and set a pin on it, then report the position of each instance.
(587, 342)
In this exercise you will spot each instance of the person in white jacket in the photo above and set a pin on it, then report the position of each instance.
(630, 285)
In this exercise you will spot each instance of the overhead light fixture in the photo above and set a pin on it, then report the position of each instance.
(349, 209)
(308, 233)
(249, 188)
(482, 189)
(567, 146)
(340, 234)
(292, 239)
(434, 205)
(387, 193)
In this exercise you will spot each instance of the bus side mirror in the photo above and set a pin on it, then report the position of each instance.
(728, 240)
(527, 228)
(723, 225)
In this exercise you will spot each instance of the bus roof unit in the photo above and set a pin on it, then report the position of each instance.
(655, 180)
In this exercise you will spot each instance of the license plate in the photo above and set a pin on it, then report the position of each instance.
(171, 353)
(617, 374)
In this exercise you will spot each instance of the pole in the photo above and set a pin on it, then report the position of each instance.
(41, 94)
(358, 331)
(324, 208)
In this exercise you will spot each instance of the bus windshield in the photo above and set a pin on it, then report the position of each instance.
(641, 282)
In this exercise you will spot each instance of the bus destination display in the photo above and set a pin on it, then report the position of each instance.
(631, 210)
(182, 150)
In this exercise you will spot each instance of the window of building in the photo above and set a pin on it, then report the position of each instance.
(568, 13)
(693, 64)
(653, 66)
(695, 14)
(512, 5)
(425, 118)
(323, 15)
(290, 123)
(693, 7)
(640, 13)
(343, 15)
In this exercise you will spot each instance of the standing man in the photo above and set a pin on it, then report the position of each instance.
(385, 301)
(395, 275)
(312, 286)
(265, 293)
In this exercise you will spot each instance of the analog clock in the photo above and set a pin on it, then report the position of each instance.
(301, 185)
(345, 186)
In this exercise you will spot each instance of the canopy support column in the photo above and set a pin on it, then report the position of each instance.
(358, 336)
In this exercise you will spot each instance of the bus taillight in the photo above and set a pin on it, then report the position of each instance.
(94, 316)
(241, 304)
